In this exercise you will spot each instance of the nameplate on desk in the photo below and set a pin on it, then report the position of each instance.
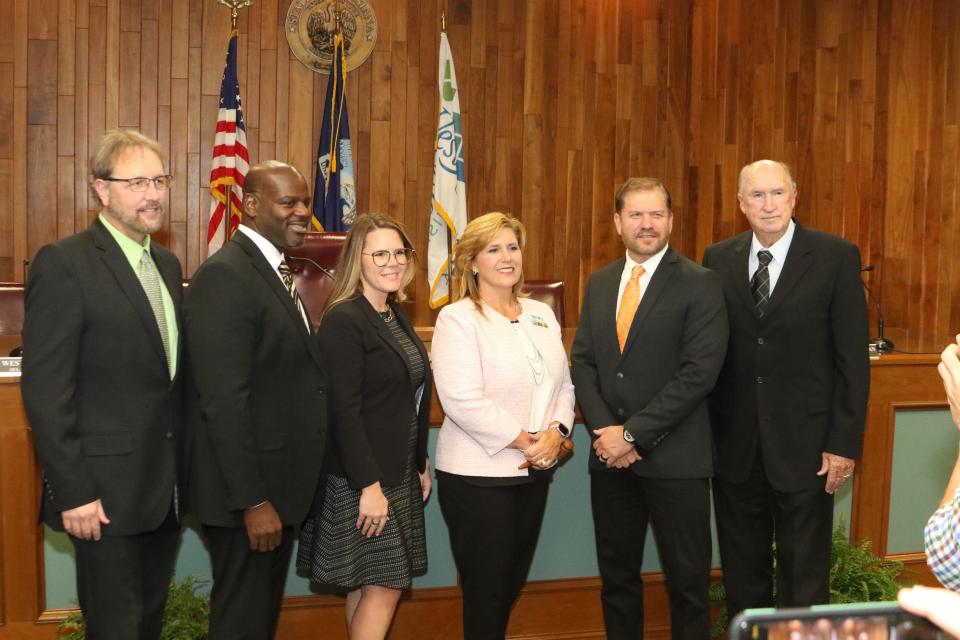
(10, 367)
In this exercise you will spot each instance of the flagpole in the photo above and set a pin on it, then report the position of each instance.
(234, 6)
(448, 216)
(334, 200)
(451, 239)
(228, 180)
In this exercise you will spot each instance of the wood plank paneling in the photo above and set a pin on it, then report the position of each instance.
(6, 110)
(42, 155)
(671, 89)
(561, 99)
(42, 83)
(149, 66)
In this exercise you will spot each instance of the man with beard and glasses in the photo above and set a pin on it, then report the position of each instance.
(101, 387)
(651, 340)
(258, 402)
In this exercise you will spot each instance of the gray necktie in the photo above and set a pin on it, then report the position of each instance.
(150, 280)
(760, 284)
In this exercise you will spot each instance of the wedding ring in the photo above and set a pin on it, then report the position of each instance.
(543, 462)
(375, 521)
(846, 476)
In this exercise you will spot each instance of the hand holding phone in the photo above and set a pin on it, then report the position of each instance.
(862, 621)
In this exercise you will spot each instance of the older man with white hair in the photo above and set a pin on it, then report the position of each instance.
(789, 406)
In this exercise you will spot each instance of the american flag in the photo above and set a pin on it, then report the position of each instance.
(231, 159)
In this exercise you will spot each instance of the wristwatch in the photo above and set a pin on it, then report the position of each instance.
(562, 428)
(626, 436)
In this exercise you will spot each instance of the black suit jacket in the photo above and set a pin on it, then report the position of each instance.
(373, 401)
(795, 383)
(658, 387)
(258, 391)
(104, 414)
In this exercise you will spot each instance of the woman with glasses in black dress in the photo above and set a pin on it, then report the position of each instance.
(369, 536)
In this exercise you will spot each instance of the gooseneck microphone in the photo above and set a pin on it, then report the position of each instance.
(880, 343)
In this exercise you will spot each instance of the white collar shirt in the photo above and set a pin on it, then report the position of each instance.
(274, 259)
(778, 250)
(649, 268)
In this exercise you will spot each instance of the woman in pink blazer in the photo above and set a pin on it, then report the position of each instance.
(502, 377)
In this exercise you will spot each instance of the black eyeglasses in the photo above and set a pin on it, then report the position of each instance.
(382, 258)
(162, 183)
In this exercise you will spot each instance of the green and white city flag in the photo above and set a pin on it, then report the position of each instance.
(448, 215)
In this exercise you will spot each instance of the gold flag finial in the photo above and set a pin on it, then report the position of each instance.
(235, 6)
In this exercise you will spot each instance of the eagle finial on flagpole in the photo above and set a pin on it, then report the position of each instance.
(235, 6)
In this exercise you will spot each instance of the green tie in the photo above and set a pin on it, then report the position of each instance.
(150, 280)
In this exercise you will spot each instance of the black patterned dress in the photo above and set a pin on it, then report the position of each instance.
(334, 551)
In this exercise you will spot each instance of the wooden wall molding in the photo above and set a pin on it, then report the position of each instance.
(435, 613)
(21, 546)
(897, 383)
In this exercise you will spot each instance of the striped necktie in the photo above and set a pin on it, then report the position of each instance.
(291, 286)
(760, 283)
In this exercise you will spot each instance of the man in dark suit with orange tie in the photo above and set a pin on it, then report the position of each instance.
(101, 387)
(650, 344)
(789, 406)
(259, 391)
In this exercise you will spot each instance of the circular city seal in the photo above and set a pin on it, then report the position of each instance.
(312, 24)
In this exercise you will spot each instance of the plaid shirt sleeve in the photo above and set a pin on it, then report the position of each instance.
(942, 542)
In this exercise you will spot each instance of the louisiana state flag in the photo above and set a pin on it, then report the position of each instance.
(334, 192)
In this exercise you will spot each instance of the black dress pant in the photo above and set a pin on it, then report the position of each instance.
(493, 534)
(749, 514)
(679, 512)
(247, 585)
(122, 582)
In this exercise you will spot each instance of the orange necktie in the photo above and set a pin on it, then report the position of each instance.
(628, 305)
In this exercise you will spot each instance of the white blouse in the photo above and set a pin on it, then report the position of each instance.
(540, 378)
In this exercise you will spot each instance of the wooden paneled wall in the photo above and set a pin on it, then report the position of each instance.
(861, 98)
(561, 100)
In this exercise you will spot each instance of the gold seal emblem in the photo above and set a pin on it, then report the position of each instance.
(312, 24)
